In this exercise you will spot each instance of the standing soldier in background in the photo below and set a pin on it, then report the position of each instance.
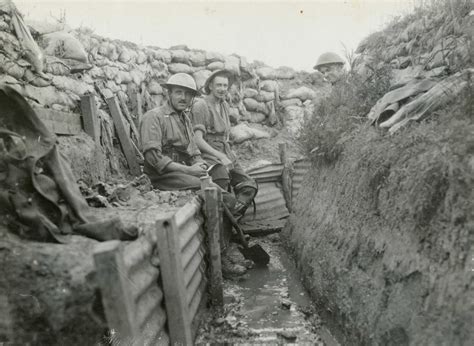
(172, 158)
(211, 125)
(331, 66)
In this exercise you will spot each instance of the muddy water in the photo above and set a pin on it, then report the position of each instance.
(269, 306)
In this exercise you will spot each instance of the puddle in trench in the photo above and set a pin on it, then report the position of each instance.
(270, 306)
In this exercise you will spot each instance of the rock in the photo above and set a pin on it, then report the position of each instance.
(217, 65)
(180, 68)
(303, 93)
(285, 304)
(242, 132)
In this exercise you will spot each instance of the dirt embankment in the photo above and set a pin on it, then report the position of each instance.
(384, 237)
(383, 231)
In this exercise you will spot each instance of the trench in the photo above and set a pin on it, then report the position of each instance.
(268, 305)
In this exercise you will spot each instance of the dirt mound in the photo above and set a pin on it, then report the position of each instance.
(384, 238)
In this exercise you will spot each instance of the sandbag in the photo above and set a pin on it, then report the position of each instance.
(200, 77)
(256, 117)
(64, 45)
(250, 93)
(269, 85)
(254, 106)
(154, 88)
(197, 59)
(291, 102)
(242, 132)
(217, 65)
(141, 57)
(232, 64)
(180, 68)
(214, 57)
(265, 96)
(163, 55)
(303, 93)
(68, 84)
(180, 56)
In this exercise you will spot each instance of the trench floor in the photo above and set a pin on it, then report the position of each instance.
(268, 306)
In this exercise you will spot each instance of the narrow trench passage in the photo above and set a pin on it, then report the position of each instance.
(269, 305)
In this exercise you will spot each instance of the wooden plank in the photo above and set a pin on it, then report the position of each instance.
(286, 174)
(214, 225)
(90, 118)
(125, 141)
(61, 123)
(179, 323)
(115, 290)
(136, 103)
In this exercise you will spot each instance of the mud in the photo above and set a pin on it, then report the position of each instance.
(267, 305)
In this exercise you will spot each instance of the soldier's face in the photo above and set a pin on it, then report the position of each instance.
(219, 87)
(180, 98)
(332, 72)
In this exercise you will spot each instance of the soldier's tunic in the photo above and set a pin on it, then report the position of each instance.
(167, 136)
(211, 116)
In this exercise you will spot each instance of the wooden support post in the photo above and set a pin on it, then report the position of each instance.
(114, 286)
(214, 225)
(90, 118)
(286, 174)
(136, 103)
(125, 140)
(174, 286)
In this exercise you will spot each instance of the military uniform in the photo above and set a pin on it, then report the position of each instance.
(211, 116)
(167, 136)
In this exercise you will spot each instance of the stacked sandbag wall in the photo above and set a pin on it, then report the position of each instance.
(78, 62)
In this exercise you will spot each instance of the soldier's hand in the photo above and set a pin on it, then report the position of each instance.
(197, 169)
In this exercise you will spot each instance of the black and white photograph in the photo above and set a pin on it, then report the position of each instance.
(236, 172)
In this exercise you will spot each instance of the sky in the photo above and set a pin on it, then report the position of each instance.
(285, 33)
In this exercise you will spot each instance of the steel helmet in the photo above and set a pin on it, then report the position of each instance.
(225, 73)
(328, 58)
(183, 80)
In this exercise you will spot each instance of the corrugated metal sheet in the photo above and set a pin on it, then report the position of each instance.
(300, 167)
(191, 240)
(270, 203)
(147, 296)
(267, 173)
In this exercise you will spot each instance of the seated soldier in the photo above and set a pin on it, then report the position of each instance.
(210, 117)
(172, 159)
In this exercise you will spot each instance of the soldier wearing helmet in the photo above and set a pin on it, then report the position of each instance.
(331, 66)
(210, 117)
(172, 158)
